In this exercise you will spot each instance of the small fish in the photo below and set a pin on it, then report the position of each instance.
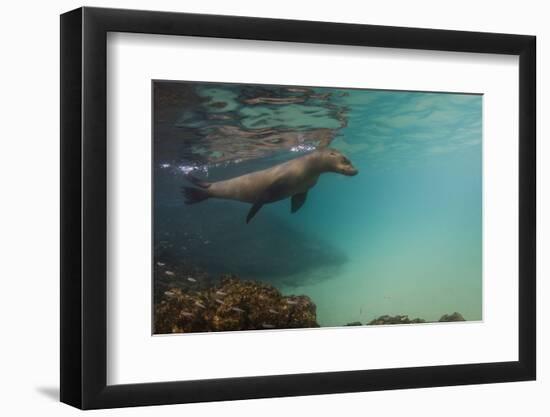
(186, 314)
(169, 293)
(292, 302)
(191, 279)
(221, 293)
(237, 309)
(219, 301)
(199, 304)
(268, 326)
(273, 311)
(161, 263)
(169, 273)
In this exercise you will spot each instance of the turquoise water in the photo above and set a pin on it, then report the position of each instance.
(404, 236)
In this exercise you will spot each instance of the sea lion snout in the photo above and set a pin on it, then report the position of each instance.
(348, 170)
(351, 172)
(337, 162)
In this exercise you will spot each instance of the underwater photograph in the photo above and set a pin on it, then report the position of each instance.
(286, 207)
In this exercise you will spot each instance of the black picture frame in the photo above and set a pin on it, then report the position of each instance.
(84, 207)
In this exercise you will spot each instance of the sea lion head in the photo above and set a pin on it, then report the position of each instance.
(335, 161)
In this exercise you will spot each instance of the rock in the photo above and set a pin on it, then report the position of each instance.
(404, 319)
(355, 323)
(452, 317)
(234, 304)
(386, 319)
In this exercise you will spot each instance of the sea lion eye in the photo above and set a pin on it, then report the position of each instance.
(346, 161)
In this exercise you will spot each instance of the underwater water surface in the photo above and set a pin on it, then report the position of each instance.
(402, 237)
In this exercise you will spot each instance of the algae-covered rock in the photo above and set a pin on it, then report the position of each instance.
(404, 319)
(452, 317)
(234, 304)
(386, 319)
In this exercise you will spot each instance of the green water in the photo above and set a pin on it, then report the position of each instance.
(404, 236)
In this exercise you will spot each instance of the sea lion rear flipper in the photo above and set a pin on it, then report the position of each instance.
(297, 201)
(253, 210)
(194, 195)
(197, 182)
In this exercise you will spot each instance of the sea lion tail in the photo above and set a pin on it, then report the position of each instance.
(194, 195)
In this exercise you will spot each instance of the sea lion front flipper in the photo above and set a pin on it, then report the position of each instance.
(297, 201)
(253, 210)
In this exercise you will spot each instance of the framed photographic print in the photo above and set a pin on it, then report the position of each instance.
(258, 208)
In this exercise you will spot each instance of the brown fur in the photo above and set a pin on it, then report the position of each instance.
(289, 179)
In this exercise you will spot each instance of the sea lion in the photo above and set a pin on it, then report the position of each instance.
(290, 179)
